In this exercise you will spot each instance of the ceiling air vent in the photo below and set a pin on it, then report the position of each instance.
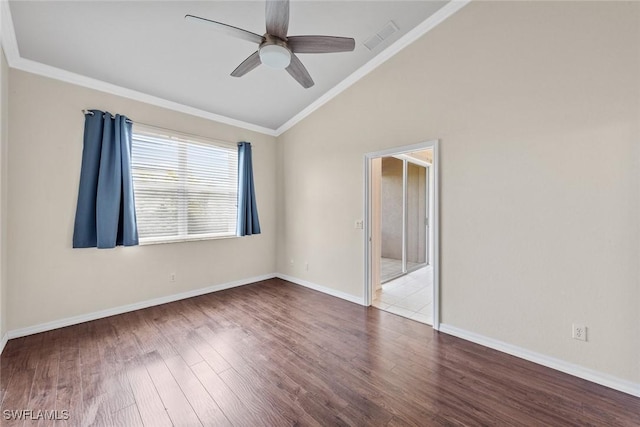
(384, 32)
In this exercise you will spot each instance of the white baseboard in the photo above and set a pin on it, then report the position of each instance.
(48, 326)
(323, 289)
(61, 323)
(541, 359)
(3, 342)
(544, 360)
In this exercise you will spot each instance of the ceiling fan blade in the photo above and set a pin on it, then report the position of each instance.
(247, 65)
(320, 44)
(277, 16)
(227, 29)
(299, 72)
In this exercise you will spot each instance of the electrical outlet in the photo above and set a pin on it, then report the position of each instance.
(306, 266)
(172, 277)
(359, 224)
(579, 332)
(291, 261)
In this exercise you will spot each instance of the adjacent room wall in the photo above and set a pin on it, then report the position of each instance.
(416, 214)
(4, 139)
(51, 281)
(537, 108)
(391, 209)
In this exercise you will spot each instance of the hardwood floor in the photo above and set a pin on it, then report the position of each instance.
(276, 354)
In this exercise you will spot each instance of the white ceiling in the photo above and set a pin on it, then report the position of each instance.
(147, 46)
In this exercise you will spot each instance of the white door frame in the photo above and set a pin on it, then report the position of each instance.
(434, 220)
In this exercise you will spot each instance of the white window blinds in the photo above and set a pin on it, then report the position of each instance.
(184, 189)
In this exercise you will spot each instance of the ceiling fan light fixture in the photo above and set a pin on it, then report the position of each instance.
(275, 56)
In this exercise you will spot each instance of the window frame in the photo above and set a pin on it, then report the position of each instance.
(180, 137)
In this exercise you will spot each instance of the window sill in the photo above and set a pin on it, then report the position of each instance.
(185, 240)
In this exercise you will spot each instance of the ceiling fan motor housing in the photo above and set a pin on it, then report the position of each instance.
(274, 52)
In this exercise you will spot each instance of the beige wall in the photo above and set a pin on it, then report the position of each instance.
(536, 105)
(424, 155)
(48, 279)
(4, 139)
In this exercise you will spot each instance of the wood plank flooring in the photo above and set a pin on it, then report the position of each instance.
(276, 354)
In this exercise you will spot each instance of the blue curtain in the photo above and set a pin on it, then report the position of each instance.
(248, 222)
(105, 214)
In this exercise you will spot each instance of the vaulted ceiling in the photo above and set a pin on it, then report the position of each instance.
(149, 47)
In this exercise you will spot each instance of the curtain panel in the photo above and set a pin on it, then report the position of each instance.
(105, 213)
(248, 222)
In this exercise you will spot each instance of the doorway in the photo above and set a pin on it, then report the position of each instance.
(404, 218)
(401, 241)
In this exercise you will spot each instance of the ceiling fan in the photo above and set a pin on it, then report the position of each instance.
(275, 49)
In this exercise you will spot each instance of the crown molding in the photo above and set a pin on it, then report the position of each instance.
(99, 85)
(8, 33)
(427, 25)
(12, 53)
(10, 46)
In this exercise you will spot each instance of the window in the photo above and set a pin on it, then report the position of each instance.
(185, 189)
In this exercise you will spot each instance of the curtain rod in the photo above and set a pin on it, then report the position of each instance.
(173, 131)
(89, 112)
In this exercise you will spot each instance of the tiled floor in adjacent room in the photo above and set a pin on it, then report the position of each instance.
(391, 267)
(409, 296)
